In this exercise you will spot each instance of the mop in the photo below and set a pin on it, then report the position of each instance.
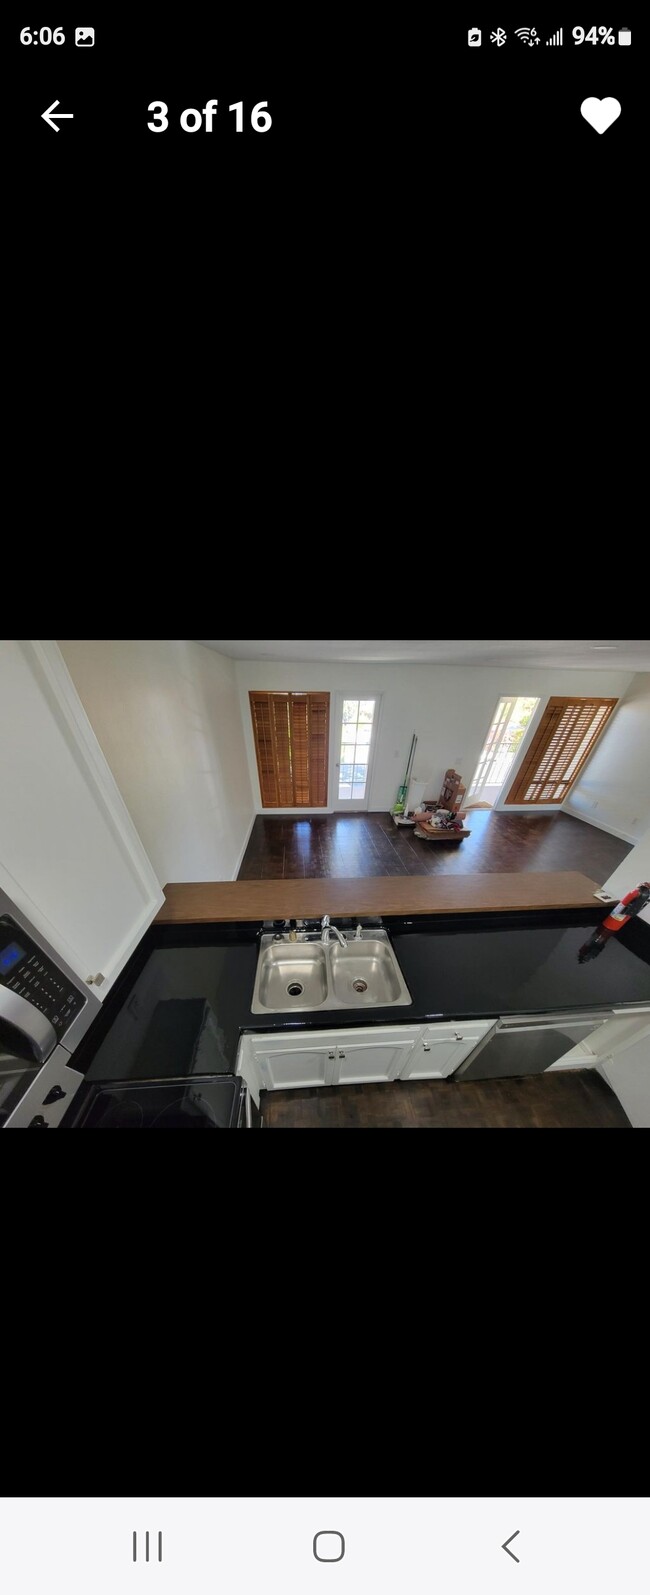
(400, 801)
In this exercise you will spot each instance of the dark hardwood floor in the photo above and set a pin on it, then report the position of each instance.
(568, 1100)
(370, 844)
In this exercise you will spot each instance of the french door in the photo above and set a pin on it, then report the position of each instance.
(357, 726)
(507, 731)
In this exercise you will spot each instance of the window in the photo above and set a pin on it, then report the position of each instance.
(291, 733)
(565, 737)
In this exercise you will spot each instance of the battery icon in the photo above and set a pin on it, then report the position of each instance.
(625, 36)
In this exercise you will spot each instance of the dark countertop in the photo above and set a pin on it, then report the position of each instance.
(454, 969)
(506, 969)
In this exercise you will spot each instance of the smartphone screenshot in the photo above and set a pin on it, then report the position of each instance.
(296, 291)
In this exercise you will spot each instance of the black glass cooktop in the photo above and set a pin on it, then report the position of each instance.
(193, 1104)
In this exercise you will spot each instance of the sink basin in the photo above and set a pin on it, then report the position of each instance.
(365, 974)
(297, 977)
(291, 975)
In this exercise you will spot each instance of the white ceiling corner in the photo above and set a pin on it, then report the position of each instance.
(599, 654)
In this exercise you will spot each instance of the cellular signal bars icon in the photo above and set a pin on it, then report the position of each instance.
(556, 38)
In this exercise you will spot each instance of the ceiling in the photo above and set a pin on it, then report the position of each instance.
(600, 654)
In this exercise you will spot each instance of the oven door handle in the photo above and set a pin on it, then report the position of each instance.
(30, 1027)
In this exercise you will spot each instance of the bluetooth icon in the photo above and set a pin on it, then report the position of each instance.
(499, 37)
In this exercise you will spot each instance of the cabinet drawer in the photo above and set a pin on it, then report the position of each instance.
(357, 1035)
(459, 1030)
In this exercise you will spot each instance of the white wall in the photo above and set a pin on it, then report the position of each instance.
(166, 714)
(70, 857)
(613, 790)
(449, 707)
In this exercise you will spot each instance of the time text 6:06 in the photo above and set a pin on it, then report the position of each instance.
(192, 121)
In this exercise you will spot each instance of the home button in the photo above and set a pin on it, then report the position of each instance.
(329, 1546)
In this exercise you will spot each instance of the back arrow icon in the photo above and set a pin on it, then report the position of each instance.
(504, 1547)
(61, 115)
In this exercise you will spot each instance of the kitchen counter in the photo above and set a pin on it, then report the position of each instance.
(509, 967)
(454, 969)
(193, 902)
(517, 964)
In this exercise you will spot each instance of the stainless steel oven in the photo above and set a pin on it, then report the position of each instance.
(45, 1009)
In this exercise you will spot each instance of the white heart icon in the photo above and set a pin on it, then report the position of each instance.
(600, 113)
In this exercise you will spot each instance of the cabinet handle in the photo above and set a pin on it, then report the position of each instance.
(425, 1046)
(341, 1054)
(458, 1036)
(331, 1054)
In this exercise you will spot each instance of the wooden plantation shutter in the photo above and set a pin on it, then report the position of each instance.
(319, 724)
(264, 748)
(563, 740)
(299, 738)
(291, 732)
(280, 728)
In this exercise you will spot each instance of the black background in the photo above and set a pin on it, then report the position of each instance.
(414, 257)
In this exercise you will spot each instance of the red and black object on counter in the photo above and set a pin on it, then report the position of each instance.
(629, 905)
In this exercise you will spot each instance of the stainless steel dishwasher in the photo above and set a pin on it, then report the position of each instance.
(528, 1044)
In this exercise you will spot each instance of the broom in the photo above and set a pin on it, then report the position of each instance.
(400, 801)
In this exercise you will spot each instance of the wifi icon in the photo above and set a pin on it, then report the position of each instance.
(527, 35)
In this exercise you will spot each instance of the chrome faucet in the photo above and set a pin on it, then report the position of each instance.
(327, 930)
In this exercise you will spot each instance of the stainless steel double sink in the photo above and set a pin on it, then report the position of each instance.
(297, 977)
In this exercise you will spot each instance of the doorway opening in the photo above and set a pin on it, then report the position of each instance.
(506, 733)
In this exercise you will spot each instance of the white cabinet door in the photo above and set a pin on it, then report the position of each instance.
(295, 1065)
(70, 857)
(369, 1060)
(331, 1057)
(442, 1048)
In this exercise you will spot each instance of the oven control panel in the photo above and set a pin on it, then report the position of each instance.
(25, 969)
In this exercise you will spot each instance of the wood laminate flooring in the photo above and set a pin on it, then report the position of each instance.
(348, 845)
(571, 1099)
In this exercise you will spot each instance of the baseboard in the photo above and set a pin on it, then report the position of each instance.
(297, 814)
(247, 838)
(587, 1060)
(612, 830)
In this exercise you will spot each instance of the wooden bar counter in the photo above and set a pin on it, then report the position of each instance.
(190, 902)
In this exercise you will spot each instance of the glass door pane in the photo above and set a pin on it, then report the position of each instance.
(357, 723)
(502, 744)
